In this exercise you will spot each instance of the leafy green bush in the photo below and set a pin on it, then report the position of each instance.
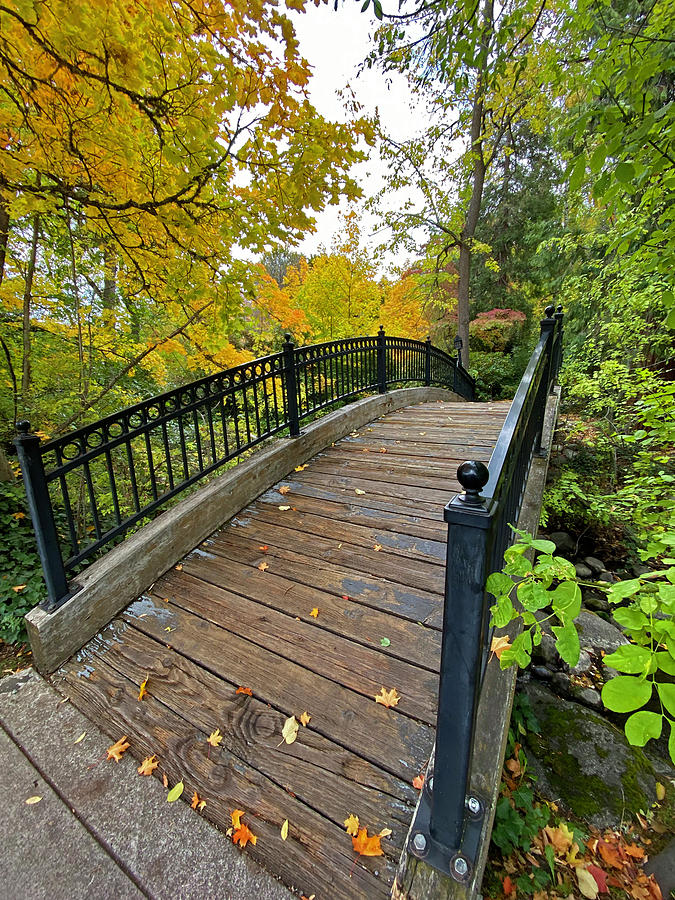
(498, 374)
(21, 584)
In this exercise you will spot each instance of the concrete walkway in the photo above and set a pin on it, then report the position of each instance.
(99, 829)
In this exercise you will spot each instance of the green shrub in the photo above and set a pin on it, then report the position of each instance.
(21, 584)
(498, 374)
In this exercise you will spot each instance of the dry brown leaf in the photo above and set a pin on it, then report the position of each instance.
(418, 781)
(284, 489)
(197, 802)
(499, 645)
(165, 780)
(263, 566)
(304, 718)
(367, 846)
(215, 738)
(315, 612)
(244, 690)
(148, 766)
(18, 587)
(143, 689)
(388, 698)
(115, 752)
(560, 838)
(352, 825)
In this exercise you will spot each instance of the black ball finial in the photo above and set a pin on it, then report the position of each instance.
(381, 331)
(473, 476)
(550, 309)
(560, 308)
(23, 427)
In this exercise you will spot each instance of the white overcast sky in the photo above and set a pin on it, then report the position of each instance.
(335, 42)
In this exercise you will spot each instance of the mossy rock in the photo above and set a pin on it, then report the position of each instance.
(585, 764)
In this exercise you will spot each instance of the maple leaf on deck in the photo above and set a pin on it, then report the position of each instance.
(377, 547)
(499, 645)
(315, 612)
(215, 738)
(236, 817)
(352, 825)
(301, 468)
(148, 766)
(143, 689)
(418, 781)
(304, 718)
(387, 698)
(263, 566)
(242, 834)
(367, 846)
(197, 802)
(264, 548)
(115, 752)
(244, 690)
(284, 489)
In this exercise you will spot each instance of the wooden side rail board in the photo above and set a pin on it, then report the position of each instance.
(416, 880)
(119, 577)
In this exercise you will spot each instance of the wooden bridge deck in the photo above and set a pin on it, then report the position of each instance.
(359, 536)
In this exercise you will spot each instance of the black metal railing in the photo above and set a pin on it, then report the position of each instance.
(85, 490)
(447, 827)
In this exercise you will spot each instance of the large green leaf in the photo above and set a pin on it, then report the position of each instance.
(567, 643)
(667, 696)
(626, 693)
(630, 658)
(642, 726)
(566, 600)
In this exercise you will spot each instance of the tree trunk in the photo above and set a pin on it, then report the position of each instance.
(27, 300)
(109, 278)
(477, 183)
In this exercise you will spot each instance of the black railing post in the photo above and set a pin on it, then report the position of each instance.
(440, 834)
(381, 362)
(427, 362)
(291, 384)
(42, 515)
(559, 317)
(548, 328)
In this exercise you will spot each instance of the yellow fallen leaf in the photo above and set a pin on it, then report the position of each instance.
(236, 818)
(178, 568)
(587, 884)
(315, 612)
(148, 766)
(388, 698)
(304, 718)
(499, 645)
(263, 566)
(290, 730)
(358, 491)
(143, 691)
(352, 825)
(33, 800)
(115, 752)
(81, 738)
(385, 832)
(284, 489)
(301, 468)
(284, 830)
(18, 587)
(284, 508)
(215, 738)
(377, 547)
(175, 792)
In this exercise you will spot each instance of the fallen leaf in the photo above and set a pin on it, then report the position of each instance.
(304, 718)
(115, 752)
(148, 766)
(18, 587)
(215, 738)
(290, 730)
(352, 825)
(388, 698)
(587, 884)
(19, 515)
(284, 489)
(560, 838)
(32, 801)
(236, 817)
(418, 781)
(610, 855)
(263, 566)
(143, 690)
(168, 628)
(264, 548)
(385, 832)
(284, 830)
(600, 878)
(178, 568)
(383, 449)
(243, 835)
(175, 792)
(634, 851)
(385, 642)
(660, 791)
(244, 690)
(499, 645)
(197, 802)
(358, 491)
(367, 846)
(165, 780)
(284, 508)
(315, 612)
(345, 597)
(508, 886)
(301, 468)
(377, 547)
(81, 738)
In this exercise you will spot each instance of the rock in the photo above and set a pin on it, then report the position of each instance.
(561, 683)
(609, 577)
(639, 569)
(547, 651)
(541, 672)
(584, 664)
(600, 635)
(584, 763)
(583, 571)
(589, 697)
(608, 673)
(595, 565)
(563, 542)
(595, 600)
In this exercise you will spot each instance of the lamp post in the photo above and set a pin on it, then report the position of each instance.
(458, 343)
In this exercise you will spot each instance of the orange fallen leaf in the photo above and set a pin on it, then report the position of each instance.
(18, 515)
(165, 780)
(388, 698)
(243, 835)
(508, 886)
(610, 855)
(115, 752)
(560, 838)
(264, 548)
(236, 817)
(499, 645)
(383, 449)
(215, 738)
(634, 851)
(148, 766)
(377, 547)
(263, 566)
(418, 781)
(244, 690)
(178, 568)
(304, 718)
(197, 802)
(315, 612)
(284, 489)
(143, 691)
(352, 825)
(367, 846)
(18, 587)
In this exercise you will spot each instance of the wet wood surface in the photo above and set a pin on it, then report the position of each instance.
(358, 535)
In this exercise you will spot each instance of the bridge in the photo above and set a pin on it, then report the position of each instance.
(289, 640)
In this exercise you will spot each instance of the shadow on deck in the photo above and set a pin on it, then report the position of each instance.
(358, 535)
